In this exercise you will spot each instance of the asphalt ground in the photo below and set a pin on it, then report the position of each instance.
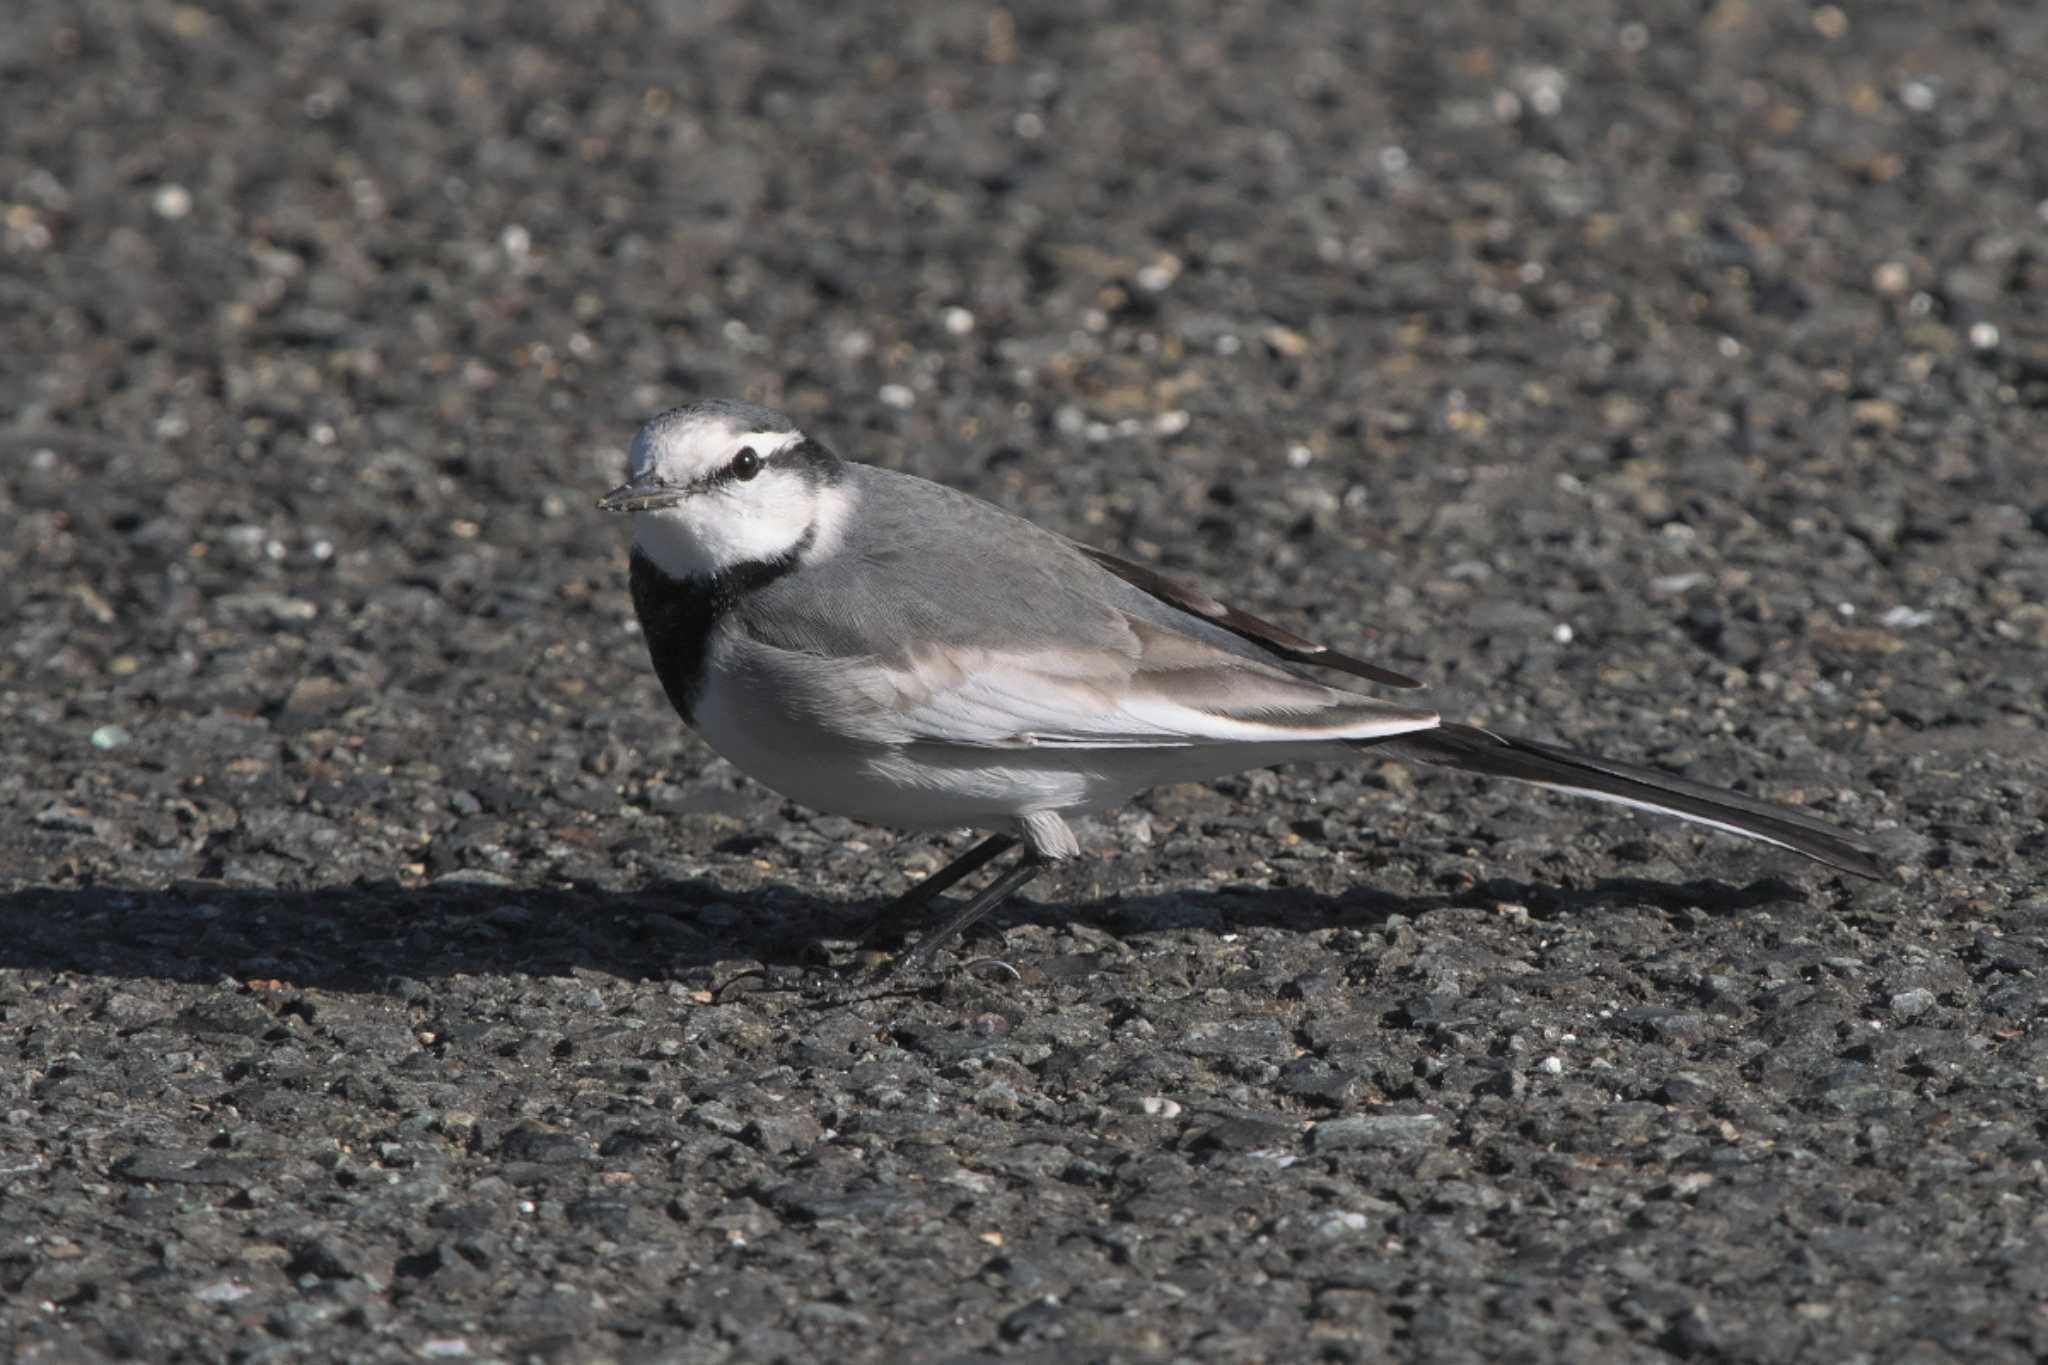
(1665, 379)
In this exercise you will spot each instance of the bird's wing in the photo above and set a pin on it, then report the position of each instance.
(1147, 687)
(999, 633)
(1281, 642)
(1167, 690)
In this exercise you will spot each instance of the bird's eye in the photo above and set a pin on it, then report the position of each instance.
(746, 464)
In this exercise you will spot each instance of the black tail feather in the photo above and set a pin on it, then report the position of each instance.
(1471, 749)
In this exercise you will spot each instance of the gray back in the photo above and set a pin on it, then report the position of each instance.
(927, 564)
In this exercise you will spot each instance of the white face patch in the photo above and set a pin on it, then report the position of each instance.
(729, 522)
(834, 505)
(684, 452)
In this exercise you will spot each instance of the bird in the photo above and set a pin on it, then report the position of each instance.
(876, 645)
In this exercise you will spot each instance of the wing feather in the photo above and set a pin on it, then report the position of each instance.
(1165, 691)
(1281, 641)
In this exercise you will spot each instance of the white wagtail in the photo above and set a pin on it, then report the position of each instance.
(875, 645)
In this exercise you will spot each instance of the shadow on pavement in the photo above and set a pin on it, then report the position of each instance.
(381, 936)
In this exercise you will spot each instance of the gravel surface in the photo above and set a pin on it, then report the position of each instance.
(1666, 379)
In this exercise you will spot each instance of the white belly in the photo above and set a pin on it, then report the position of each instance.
(923, 785)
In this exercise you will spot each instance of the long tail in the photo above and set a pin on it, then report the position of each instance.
(1473, 750)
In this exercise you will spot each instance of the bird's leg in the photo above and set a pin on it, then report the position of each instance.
(893, 915)
(972, 861)
(992, 895)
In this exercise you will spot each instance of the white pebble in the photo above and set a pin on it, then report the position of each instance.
(1157, 276)
(1562, 633)
(1346, 1223)
(1543, 87)
(1551, 1066)
(959, 321)
(896, 395)
(1905, 618)
(172, 202)
(1172, 422)
(1983, 336)
(222, 1291)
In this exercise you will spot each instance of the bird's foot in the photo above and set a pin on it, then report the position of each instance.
(762, 981)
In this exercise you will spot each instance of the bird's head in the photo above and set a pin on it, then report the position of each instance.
(719, 486)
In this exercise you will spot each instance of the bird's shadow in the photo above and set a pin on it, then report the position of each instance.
(373, 937)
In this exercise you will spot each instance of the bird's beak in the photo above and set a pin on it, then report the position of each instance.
(644, 494)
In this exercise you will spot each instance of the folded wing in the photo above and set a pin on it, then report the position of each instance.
(1166, 690)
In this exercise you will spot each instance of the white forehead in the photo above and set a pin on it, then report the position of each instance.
(681, 446)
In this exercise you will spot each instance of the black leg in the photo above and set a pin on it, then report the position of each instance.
(994, 894)
(968, 863)
(908, 908)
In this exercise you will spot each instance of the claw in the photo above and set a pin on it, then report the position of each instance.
(752, 981)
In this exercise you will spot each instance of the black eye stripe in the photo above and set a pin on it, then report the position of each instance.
(802, 457)
(734, 470)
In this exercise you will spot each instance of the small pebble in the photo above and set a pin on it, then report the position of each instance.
(1914, 1003)
(172, 202)
(109, 737)
(222, 1291)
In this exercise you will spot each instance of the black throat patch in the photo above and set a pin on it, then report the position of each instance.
(677, 615)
